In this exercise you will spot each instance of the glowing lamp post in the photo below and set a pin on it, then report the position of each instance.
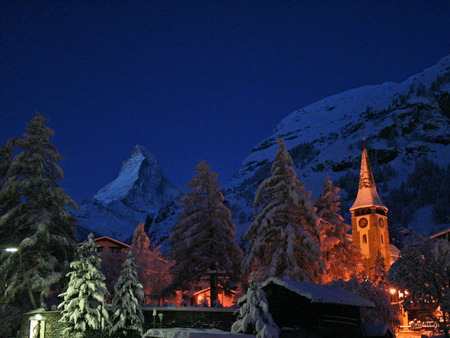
(37, 326)
(160, 315)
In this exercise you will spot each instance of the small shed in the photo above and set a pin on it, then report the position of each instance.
(313, 310)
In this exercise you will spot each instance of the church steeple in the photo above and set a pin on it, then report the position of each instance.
(369, 218)
(367, 190)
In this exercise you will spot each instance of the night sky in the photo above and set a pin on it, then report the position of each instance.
(194, 80)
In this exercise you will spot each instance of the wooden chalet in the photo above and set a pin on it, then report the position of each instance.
(314, 310)
(109, 244)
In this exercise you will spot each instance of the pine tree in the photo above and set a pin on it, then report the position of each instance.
(254, 316)
(153, 269)
(127, 317)
(203, 241)
(361, 285)
(284, 238)
(378, 273)
(84, 309)
(34, 218)
(341, 257)
(423, 269)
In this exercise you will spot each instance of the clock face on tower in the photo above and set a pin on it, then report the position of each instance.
(381, 222)
(362, 222)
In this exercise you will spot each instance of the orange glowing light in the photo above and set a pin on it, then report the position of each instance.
(392, 291)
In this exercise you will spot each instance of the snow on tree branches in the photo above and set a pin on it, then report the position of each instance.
(34, 217)
(341, 257)
(284, 238)
(84, 308)
(203, 242)
(127, 317)
(254, 316)
(423, 269)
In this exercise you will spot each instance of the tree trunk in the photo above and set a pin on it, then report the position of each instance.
(33, 302)
(214, 292)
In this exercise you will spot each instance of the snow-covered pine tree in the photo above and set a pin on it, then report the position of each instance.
(342, 258)
(9, 198)
(378, 273)
(127, 318)
(35, 219)
(361, 285)
(83, 309)
(203, 242)
(423, 269)
(254, 316)
(284, 239)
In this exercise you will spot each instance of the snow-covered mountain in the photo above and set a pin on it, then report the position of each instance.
(403, 122)
(140, 193)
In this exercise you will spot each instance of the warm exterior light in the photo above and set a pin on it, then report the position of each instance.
(400, 294)
(406, 292)
(11, 249)
(392, 291)
(200, 298)
(38, 317)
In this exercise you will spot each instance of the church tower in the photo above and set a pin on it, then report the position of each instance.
(369, 218)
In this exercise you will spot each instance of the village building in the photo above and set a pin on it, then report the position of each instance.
(107, 244)
(314, 310)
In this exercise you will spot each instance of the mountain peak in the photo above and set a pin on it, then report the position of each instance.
(140, 166)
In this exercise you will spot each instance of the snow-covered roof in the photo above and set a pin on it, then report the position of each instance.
(320, 293)
(367, 190)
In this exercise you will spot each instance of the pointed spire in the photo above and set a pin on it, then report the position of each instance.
(367, 190)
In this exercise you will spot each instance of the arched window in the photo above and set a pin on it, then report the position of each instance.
(365, 239)
(382, 239)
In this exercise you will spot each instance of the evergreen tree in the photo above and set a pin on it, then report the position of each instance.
(378, 273)
(140, 249)
(341, 257)
(423, 269)
(203, 241)
(254, 316)
(34, 218)
(284, 238)
(84, 309)
(127, 318)
(383, 312)
(153, 269)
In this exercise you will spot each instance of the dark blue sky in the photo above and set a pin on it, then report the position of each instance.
(194, 80)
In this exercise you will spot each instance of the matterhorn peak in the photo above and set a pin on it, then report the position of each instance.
(141, 171)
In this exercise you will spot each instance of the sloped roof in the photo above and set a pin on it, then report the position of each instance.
(320, 293)
(442, 234)
(109, 239)
(367, 190)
